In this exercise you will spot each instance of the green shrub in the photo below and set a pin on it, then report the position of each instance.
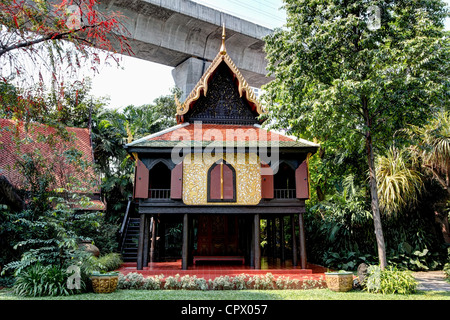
(388, 281)
(136, 281)
(110, 261)
(104, 263)
(263, 282)
(447, 270)
(38, 281)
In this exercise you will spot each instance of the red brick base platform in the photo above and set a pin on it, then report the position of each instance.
(212, 270)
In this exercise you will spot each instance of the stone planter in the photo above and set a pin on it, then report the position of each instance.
(104, 282)
(339, 281)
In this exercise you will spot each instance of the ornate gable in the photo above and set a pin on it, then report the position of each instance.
(221, 96)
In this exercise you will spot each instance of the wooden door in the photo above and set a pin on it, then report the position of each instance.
(217, 235)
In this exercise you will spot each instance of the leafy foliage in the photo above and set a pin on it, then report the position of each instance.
(399, 184)
(390, 281)
(38, 280)
(57, 39)
(328, 63)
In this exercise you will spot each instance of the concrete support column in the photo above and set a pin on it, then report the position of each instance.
(187, 74)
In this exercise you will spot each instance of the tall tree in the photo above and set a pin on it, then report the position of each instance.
(345, 69)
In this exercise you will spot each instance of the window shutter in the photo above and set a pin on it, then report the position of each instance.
(301, 181)
(215, 183)
(141, 180)
(176, 182)
(228, 183)
(266, 181)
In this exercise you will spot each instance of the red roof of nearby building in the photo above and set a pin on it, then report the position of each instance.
(17, 140)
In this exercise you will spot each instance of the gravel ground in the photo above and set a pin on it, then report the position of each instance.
(432, 281)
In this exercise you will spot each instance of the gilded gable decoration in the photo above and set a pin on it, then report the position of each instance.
(201, 89)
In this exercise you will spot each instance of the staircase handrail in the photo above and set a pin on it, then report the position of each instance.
(125, 218)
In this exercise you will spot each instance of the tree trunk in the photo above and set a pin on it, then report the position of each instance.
(375, 205)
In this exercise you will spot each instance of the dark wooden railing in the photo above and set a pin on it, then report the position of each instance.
(284, 193)
(159, 193)
(125, 221)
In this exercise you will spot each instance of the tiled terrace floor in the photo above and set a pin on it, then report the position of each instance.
(212, 270)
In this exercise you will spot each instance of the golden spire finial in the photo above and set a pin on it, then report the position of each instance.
(222, 48)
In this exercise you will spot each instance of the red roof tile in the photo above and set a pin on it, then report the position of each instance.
(32, 142)
(220, 132)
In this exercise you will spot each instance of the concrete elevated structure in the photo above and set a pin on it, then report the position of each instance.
(186, 35)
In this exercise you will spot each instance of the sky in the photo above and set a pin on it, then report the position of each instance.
(139, 82)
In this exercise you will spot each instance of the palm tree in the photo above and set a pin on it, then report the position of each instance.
(399, 183)
(432, 149)
(402, 172)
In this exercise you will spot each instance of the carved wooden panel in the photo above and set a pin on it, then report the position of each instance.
(222, 103)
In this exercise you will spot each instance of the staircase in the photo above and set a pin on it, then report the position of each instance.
(130, 240)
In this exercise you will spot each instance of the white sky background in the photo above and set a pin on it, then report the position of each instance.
(140, 82)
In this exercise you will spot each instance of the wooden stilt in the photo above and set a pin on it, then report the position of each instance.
(250, 225)
(153, 242)
(282, 245)
(302, 241)
(294, 241)
(184, 258)
(145, 253)
(140, 253)
(257, 244)
(269, 238)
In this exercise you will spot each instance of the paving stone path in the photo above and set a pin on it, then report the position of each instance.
(432, 281)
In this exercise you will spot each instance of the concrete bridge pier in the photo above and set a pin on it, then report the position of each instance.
(188, 73)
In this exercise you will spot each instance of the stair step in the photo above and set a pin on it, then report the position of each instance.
(130, 244)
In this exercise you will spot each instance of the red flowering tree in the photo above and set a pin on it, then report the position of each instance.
(42, 40)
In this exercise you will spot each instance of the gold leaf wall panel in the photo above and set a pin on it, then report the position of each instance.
(248, 178)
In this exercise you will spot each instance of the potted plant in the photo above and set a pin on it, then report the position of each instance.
(103, 277)
(340, 281)
(104, 282)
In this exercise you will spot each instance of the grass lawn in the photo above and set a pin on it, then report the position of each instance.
(313, 294)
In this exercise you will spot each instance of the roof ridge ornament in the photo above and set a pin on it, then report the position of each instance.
(223, 50)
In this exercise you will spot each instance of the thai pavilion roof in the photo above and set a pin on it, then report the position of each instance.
(198, 117)
(217, 135)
